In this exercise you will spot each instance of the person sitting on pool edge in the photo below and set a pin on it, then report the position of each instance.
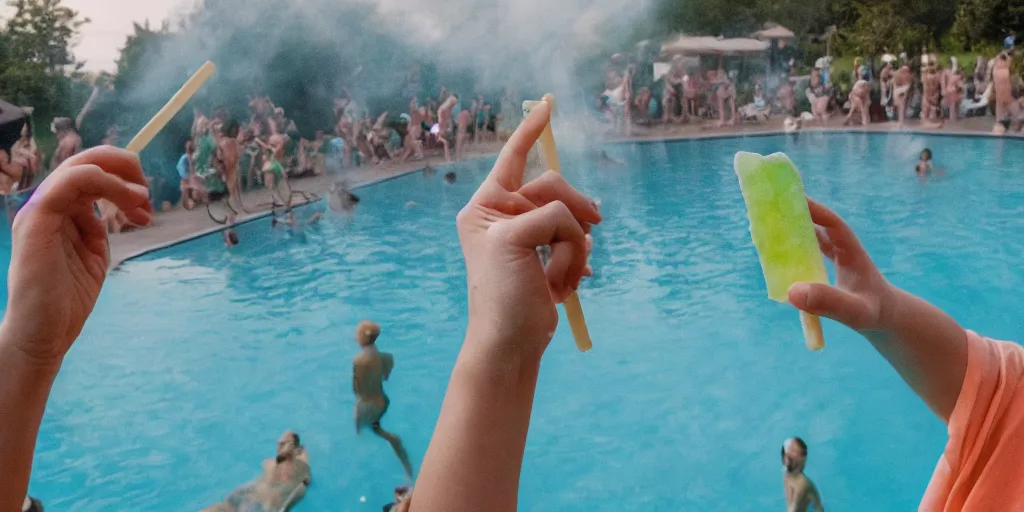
(800, 491)
(370, 368)
(282, 484)
(475, 456)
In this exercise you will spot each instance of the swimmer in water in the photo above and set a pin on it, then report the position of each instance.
(340, 199)
(33, 505)
(370, 368)
(282, 484)
(449, 178)
(603, 159)
(924, 166)
(800, 492)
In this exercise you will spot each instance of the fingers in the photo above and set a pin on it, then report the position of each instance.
(830, 302)
(71, 188)
(838, 231)
(118, 162)
(826, 245)
(508, 170)
(551, 186)
(554, 225)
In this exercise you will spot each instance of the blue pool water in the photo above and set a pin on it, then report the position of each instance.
(197, 357)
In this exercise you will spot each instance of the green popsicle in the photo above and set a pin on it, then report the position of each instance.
(783, 233)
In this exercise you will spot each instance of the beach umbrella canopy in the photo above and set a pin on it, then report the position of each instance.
(12, 118)
(707, 45)
(773, 31)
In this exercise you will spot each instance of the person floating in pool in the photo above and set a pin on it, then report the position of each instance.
(403, 497)
(370, 368)
(450, 178)
(33, 505)
(801, 493)
(282, 484)
(924, 166)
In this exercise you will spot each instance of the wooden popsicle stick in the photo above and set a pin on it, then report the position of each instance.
(813, 334)
(172, 108)
(159, 121)
(572, 305)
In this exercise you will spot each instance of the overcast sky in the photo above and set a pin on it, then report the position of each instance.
(102, 39)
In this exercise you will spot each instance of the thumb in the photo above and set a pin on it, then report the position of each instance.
(831, 302)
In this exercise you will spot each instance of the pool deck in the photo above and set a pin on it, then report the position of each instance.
(178, 225)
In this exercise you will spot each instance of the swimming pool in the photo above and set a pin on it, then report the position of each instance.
(197, 357)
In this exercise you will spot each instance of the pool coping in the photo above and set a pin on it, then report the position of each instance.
(264, 214)
(618, 141)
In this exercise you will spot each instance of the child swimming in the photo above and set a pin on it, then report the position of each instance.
(924, 165)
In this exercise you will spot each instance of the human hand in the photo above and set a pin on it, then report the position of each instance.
(60, 253)
(512, 295)
(862, 296)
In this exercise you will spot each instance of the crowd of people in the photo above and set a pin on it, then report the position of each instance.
(904, 88)
(227, 153)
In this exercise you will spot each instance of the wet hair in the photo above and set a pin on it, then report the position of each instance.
(295, 439)
(367, 332)
(190, 146)
(926, 154)
(232, 237)
(797, 441)
(449, 177)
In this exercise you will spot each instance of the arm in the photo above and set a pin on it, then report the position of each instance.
(24, 388)
(31, 352)
(476, 453)
(925, 345)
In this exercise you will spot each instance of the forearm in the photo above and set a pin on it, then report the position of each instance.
(24, 388)
(926, 346)
(476, 454)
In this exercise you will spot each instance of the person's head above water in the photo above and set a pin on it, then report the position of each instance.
(794, 455)
(449, 177)
(230, 237)
(367, 333)
(926, 155)
(288, 446)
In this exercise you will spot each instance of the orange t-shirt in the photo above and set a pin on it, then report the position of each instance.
(983, 466)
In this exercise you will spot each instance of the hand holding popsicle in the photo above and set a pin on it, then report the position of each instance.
(861, 295)
(512, 296)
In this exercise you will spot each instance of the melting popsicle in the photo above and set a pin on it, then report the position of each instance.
(573, 308)
(783, 233)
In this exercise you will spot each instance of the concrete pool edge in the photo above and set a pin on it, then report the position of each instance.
(149, 249)
(253, 217)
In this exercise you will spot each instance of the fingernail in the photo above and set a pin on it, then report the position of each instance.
(801, 292)
(138, 189)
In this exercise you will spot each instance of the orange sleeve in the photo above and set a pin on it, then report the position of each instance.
(994, 370)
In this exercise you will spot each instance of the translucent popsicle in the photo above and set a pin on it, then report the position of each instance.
(782, 230)
(573, 307)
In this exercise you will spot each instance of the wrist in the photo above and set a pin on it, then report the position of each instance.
(16, 351)
(495, 358)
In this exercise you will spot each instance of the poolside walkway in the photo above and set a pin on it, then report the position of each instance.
(178, 225)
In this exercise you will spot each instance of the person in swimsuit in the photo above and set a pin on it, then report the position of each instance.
(886, 77)
(483, 116)
(462, 122)
(726, 94)
(274, 178)
(1003, 90)
(801, 494)
(952, 92)
(924, 166)
(901, 92)
(228, 160)
(370, 368)
(860, 101)
(282, 484)
(444, 123)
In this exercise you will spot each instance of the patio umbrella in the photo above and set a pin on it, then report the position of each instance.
(12, 118)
